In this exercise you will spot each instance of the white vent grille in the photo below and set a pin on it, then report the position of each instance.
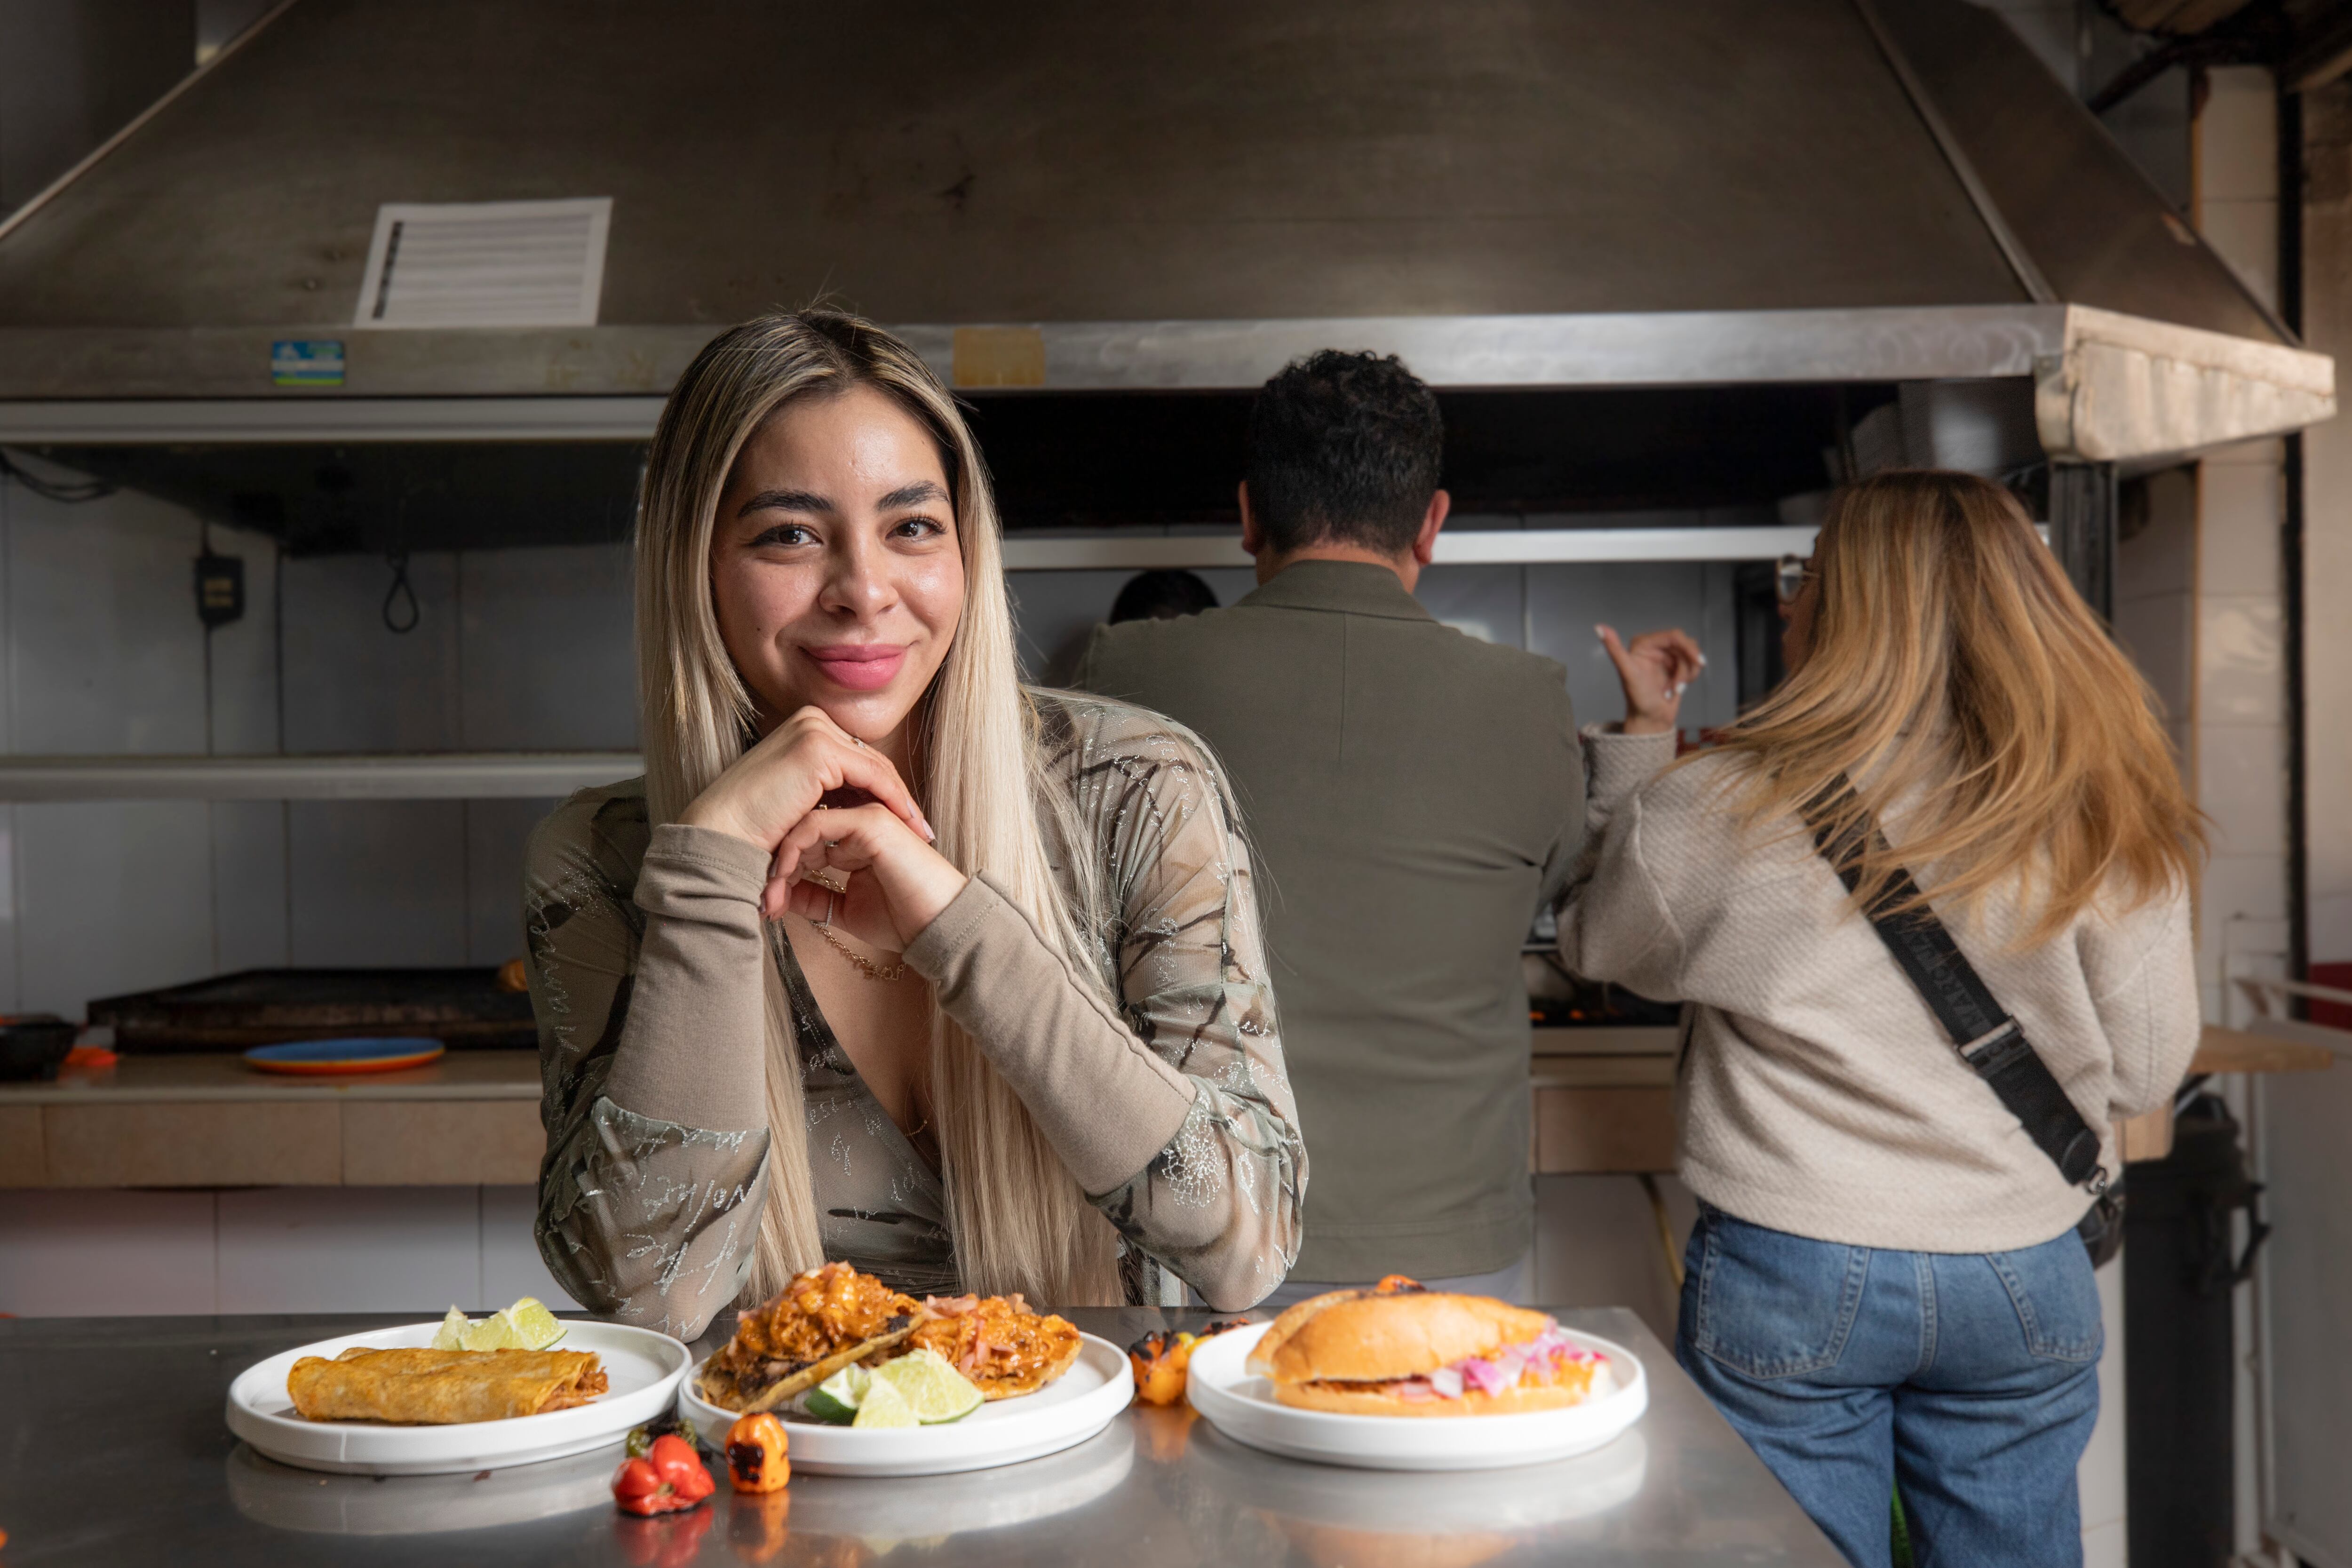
(485, 264)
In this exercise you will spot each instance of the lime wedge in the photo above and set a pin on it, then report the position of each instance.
(451, 1334)
(837, 1399)
(495, 1332)
(934, 1390)
(538, 1326)
(884, 1405)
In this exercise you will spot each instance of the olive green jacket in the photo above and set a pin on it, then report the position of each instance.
(1414, 795)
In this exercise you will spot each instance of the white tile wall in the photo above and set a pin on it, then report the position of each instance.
(107, 1254)
(1597, 1245)
(2241, 784)
(2237, 133)
(545, 649)
(378, 882)
(245, 652)
(112, 896)
(2237, 174)
(510, 1261)
(351, 685)
(270, 1249)
(2239, 670)
(2246, 498)
(249, 912)
(2099, 1478)
(317, 1249)
(106, 655)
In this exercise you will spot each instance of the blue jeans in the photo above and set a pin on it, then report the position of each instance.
(1969, 1380)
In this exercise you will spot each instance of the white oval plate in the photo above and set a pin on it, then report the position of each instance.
(1065, 1413)
(642, 1370)
(279, 1495)
(1241, 1405)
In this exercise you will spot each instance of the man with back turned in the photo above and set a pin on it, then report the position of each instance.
(1414, 795)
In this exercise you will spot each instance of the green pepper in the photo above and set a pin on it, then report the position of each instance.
(641, 1438)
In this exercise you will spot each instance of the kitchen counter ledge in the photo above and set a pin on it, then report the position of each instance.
(1603, 1104)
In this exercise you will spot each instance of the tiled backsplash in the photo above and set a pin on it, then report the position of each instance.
(107, 1252)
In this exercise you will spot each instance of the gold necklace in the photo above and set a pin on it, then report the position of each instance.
(865, 966)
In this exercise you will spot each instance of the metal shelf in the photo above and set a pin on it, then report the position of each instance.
(443, 775)
(1484, 547)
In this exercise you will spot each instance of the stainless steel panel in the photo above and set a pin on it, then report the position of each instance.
(1485, 601)
(2100, 232)
(1567, 602)
(1063, 161)
(1599, 349)
(1157, 1490)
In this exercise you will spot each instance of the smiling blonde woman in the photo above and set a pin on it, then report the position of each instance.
(886, 959)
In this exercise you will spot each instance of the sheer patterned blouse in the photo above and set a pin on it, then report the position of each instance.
(1171, 1110)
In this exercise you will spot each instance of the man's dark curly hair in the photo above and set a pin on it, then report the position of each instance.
(1343, 448)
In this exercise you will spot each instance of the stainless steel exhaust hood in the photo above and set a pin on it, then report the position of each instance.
(1080, 197)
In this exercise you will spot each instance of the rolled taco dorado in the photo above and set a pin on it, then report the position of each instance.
(432, 1388)
(1403, 1350)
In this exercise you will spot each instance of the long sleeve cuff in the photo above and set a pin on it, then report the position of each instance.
(1617, 763)
(693, 1050)
(1104, 1101)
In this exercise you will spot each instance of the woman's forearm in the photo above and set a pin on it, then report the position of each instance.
(692, 1049)
(1104, 1101)
(1204, 1169)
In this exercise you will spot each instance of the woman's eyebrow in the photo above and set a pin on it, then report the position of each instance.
(784, 501)
(916, 494)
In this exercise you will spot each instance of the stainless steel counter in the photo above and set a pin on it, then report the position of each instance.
(115, 1452)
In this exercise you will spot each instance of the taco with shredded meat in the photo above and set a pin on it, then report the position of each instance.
(826, 1319)
(998, 1342)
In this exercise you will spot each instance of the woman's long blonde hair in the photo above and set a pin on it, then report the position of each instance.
(1952, 665)
(1019, 1220)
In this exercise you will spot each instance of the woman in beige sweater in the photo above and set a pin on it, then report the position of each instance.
(886, 958)
(1885, 1287)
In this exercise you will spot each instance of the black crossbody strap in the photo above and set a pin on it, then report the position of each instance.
(1990, 1040)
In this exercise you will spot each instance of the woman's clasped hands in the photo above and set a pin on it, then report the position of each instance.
(848, 844)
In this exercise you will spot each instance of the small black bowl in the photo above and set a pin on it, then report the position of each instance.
(33, 1044)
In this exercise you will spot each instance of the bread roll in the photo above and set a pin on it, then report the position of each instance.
(1354, 1338)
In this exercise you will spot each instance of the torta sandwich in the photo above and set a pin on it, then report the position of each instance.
(1398, 1349)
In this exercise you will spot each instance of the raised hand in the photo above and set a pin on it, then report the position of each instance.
(891, 884)
(1654, 668)
(776, 782)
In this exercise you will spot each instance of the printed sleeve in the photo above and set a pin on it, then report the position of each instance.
(642, 1219)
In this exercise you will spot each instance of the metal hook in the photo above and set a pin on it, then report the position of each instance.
(400, 588)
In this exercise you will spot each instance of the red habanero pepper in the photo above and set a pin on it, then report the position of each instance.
(669, 1478)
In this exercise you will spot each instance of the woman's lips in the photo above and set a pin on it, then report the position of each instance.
(861, 666)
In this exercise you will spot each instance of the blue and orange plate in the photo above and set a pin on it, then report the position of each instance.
(326, 1058)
